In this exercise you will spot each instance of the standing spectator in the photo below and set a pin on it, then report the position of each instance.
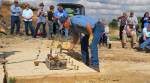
(50, 15)
(145, 20)
(130, 30)
(15, 17)
(27, 15)
(123, 20)
(132, 20)
(58, 14)
(41, 21)
(105, 36)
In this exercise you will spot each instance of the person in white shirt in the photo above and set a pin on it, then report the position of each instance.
(27, 15)
(106, 33)
(130, 30)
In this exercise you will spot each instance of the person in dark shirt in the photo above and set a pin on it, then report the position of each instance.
(50, 15)
(123, 20)
(145, 20)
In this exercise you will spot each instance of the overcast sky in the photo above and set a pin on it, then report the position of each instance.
(104, 8)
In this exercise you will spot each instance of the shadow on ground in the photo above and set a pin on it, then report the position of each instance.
(7, 54)
(75, 55)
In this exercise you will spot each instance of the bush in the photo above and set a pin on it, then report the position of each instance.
(114, 38)
(12, 80)
(113, 24)
(139, 22)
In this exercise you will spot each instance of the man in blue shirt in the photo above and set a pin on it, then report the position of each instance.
(60, 12)
(91, 33)
(15, 17)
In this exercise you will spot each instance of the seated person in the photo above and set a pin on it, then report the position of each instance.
(130, 30)
(146, 38)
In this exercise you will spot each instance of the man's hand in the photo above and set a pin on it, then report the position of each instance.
(144, 38)
(90, 39)
(90, 31)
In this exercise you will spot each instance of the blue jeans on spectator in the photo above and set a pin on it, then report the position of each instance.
(15, 20)
(44, 33)
(50, 32)
(146, 43)
(97, 33)
(28, 24)
(66, 33)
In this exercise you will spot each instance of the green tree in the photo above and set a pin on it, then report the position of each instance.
(113, 24)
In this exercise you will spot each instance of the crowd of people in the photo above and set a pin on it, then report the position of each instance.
(128, 24)
(44, 18)
(129, 28)
(83, 27)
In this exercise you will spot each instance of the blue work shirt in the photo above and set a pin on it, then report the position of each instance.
(15, 11)
(79, 23)
(60, 14)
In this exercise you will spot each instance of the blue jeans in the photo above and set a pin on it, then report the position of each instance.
(29, 24)
(84, 49)
(50, 32)
(15, 20)
(146, 43)
(97, 33)
(66, 33)
(44, 33)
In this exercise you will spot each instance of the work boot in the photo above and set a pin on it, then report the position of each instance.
(109, 46)
(124, 45)
(95, 67)
(147, 50)
(140, 49)
(134, 46)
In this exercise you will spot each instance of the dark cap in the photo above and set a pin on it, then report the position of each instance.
(26, 4)
(41, 4)
(51, 7)
(59, 4)
(15, 1)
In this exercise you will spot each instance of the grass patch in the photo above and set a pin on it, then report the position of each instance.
(12, 80)
(114, 38)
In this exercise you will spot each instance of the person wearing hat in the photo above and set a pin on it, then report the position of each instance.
(50, 15)
(60, 12)
(130, 30)
(41, 21)
(15, 17)
(91, 33)
(27, 15)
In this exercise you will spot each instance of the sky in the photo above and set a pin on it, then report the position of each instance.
(104, 8)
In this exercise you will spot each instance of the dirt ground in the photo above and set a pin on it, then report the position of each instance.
(118, 65)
